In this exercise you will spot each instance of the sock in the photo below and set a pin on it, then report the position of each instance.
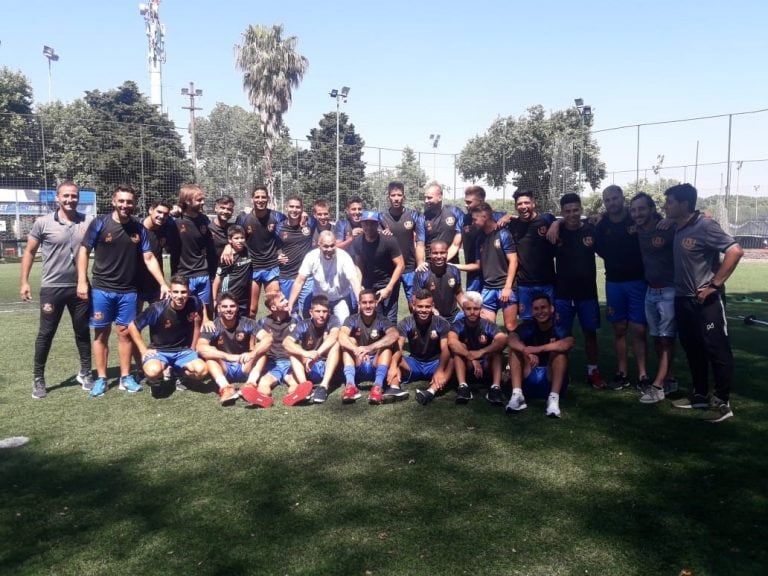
(349, 374)
(517, 391)
(495, 385)
(462, 384)
(591, 368)
(381, 374)
(554, 396)
(221, 381)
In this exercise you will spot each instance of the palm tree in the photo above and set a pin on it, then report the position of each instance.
(271, 69)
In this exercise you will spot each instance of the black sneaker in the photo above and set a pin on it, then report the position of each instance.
(38, 388)
(424, 397)
(618, 382)
(643, 384)
(395, 393)
(494, 396)
(718, 411)
(320, 395)
(463, 394)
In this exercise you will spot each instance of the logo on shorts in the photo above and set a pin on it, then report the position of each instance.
(450, 220)
(542, 230)
(433, 335)
(588, 241)
(240, 336)
(451, 282)
(657, 241)
(521, 307)
(135, 238)
(98, 315)
(689, 243)
(306, 231)
(408, 224)
(47, 308)
(292, 326)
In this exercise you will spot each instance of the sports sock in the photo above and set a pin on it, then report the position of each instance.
(381, 374)
(349, 374)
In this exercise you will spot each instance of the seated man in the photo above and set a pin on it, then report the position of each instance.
(231, 350)
(429, 358)
(313, 348)
(277, 324)
(538, 356)
(174, 327)
(476, 345)
(366, 341)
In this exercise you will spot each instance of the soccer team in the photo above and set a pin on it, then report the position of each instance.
(331, 292)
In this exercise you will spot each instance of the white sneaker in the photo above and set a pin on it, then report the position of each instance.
(516, 403)
(553, 407)
(652, 395)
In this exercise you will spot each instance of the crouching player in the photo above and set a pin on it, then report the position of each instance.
(232, 348)
(174, 327)
(366, 341)
(538, 356)
(429, 358)
(476, 345)
(313, 348)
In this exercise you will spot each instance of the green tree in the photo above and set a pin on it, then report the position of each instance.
(318, 164)
(20, 152)
(271, 69)
(410, 173)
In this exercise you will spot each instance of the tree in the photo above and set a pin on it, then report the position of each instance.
(410, 173)
(655, 190)
(318, 164)
(543, 153)
(19, 133)
(271, 69)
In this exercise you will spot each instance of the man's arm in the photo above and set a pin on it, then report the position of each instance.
(561, 345)
(455, 246)
(731, 259)
(208, 351)
(138, 341)
(293, 348)
(154, 268)
(386, 292)
(26, 266)
(82, 272)
(328, 342)
(506, 292)
(298, 284)
(390, 338)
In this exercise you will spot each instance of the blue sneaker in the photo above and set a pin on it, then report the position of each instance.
(129, 384)
(99, 388)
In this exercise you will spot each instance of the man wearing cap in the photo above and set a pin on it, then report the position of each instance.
(381, 262)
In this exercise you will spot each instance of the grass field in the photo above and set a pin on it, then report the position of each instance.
(132, 485)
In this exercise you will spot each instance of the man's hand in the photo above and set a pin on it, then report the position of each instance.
(386, 232)
(383, 294)
(82, 290)
(423, 267)
(478, 368)
(25, 292)
(228, 255)
(165, 292)
(506, 293)
(439, 380)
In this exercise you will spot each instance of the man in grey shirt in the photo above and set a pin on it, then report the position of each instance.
(699, 311)
(58, 235)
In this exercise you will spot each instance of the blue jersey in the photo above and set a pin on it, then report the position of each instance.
(309, 336)
(235, 341)
(424, 340)
(475, 337)
(170, 329)
(365, 334)
(532, 335)
(443, 286)
(118, 249)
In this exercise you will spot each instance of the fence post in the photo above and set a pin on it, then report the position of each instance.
(42, 155)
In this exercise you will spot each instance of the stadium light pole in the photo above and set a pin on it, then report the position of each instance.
(50, 53)
(585, 111)
(192, 93)
(435, 139)
(339, 96)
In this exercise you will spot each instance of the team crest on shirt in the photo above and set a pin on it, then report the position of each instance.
(47, 308)
(167, 323)
(482, 339)
(135, 238)
(271, 227)
(284, 235)
(429, 226)
(632, 229)
(689, 243)
(467, 229)
(183, 228)
(432, 286)
(451, 282)
(374, 334)
(588, 241)
(497, 243)
(311, 342)
(657, 241)
(433, 335)
(408, 224)
(98, 315)
(108, 237)
(219, 340)
(542, 230)
(249, 230)
(240, 336)
(451, 220)
(306, 231)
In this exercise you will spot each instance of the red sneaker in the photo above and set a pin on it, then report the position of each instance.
(351, 393)
(596, 381)
(375, 395)
(251, 394)
(300, 394)
(227, 395)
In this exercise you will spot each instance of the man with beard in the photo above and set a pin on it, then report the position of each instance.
(474, 196)
(223, 207)
(441, 222)
(158, 226)
(366, 341)
(295, 243)
(442, 281)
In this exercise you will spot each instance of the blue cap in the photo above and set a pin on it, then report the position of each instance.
(369, 216)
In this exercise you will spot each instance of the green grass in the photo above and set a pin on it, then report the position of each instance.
(132, 485)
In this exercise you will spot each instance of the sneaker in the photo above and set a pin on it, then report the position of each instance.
(643, 384)
(652, 395)
(463, 394)
(227, 395)
(670, 386)
(85, 380)
(696, 401)
(179, 385)
(719, 411)
(553, 407)
(159, 388)
(129, 384)
(394, 393)
(516, 403)
(494, 396)
(424, 397)
(596, 380)
(375, 396)
(351, 393)
(38, 388)
(251, 394)
(618, 382)
(302, 393)
(320, 395)
(99, 388)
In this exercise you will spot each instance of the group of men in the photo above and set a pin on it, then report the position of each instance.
(331, 294)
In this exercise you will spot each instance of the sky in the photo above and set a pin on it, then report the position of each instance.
(421, 67)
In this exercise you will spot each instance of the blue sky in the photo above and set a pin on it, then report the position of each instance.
(417, 68)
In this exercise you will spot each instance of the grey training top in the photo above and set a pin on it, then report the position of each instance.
(59, 242)
(656, 250)
(697, 249)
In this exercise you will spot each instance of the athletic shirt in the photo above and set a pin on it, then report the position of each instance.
(192, 246)
(279, 329)
(424, 341)
(365, 334)
(170, 330)
(158, 237)
(117, 247)
(407, 228)
(443, 285)
(309, 336)
(235, 341)
(442, 225)
(492, 251)
(314, 225)
(656, 250)
(576, 277)
(618, 246)
(59, 242)
(220, 240)
(532, 335)
(375, 259)
(469, 234)
(344, 229)
(535, 254)
(261, 237)
(475, 337)
(295, 243)
(236, 277)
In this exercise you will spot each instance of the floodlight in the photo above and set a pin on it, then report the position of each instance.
(143, 9)
(579, 102)
(344, 91)
(587, 111)
(334, 93)
(185, 91)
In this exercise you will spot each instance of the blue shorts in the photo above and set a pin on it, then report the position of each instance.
(525, 295)
(177, 359)
(474, 281)
(200, 286)
(317, 371)
(660, 312)
(626, 301)
(588, 312)
(537, 385)
(109, 307)
(278, 369)
(492, 299)
(267, 275)
(234, 372)
(420, 370)
(366, 372)
(407, 280)
(305, 295)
